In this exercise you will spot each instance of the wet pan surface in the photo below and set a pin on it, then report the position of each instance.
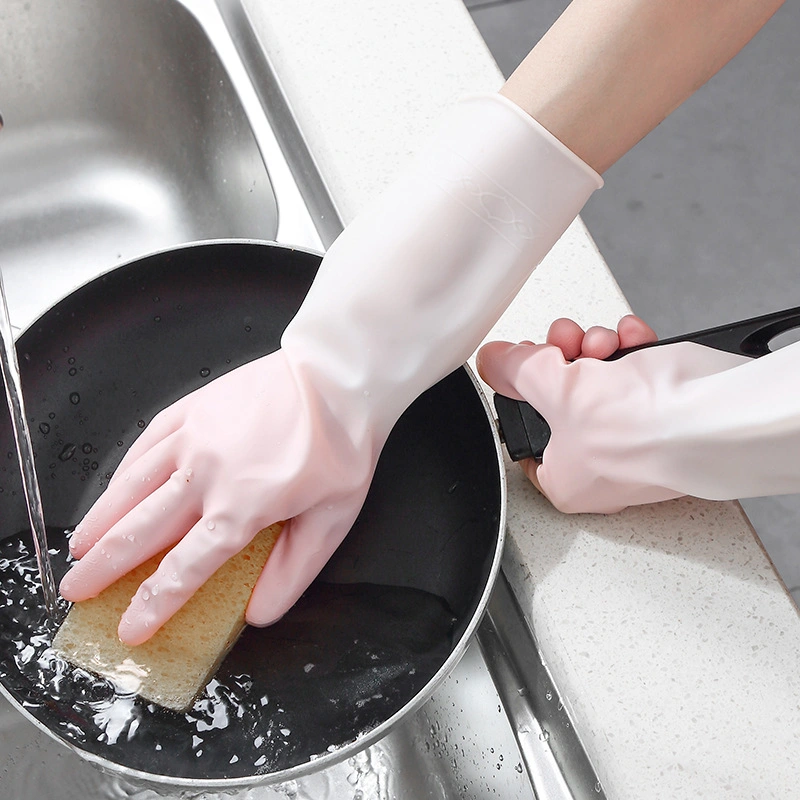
(368, 637)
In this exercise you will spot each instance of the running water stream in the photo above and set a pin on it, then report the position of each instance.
(22, 437)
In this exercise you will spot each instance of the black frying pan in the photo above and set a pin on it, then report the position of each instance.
(386, 620)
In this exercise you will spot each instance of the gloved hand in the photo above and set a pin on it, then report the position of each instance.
(656, 424)
(402, 298)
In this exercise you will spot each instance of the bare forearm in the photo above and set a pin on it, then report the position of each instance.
(609, 71)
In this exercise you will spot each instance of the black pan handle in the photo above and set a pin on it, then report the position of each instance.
(526, 432)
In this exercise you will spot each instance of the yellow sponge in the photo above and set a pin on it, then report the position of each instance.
(172, 667)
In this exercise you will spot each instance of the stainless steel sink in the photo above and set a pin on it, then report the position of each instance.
(128, 129)
(134, 126)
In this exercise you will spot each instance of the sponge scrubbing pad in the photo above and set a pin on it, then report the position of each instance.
(173, 666)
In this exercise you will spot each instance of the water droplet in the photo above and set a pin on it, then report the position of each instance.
(157, 319)
(52, 415)
(44, 428)
(145, 595)
(86, 447)
(155, 589)
(211, 524)
(120, 443)
(141, 423)
(68, 451)
(73, 371)
(205, 372)
(247, 328)
(71, 360)
(74, 398)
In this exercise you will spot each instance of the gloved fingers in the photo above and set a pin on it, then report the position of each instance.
(133, 484)
(531, 468)
(498, 364)
(567, 335)
(183, 570)
(634, 331)
(162, 426)
(302, 550)
(158, 521)
(524, 372)
(599, 343)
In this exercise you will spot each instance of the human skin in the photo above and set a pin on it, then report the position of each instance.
(609, 71)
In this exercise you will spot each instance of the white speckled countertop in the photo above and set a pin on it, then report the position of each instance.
(666, 628)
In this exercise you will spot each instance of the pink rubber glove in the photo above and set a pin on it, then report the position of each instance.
(657, 424)
(402, 298)
(253, 447)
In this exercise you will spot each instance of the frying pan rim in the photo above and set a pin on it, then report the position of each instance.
(375, 734)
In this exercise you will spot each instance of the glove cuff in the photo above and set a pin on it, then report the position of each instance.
(411, 288)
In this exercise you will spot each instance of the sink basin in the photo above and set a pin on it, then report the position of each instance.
(124, 133)
(130, 127)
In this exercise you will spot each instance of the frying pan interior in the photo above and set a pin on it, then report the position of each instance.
(368, 636)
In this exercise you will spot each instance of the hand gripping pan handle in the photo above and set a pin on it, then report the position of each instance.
(526, 432)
